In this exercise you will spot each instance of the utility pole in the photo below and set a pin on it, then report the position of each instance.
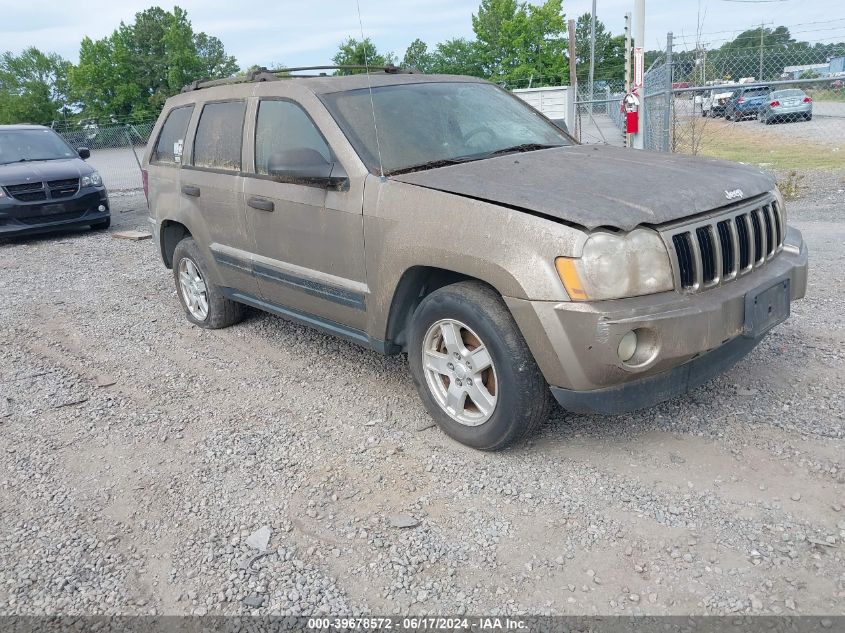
(627, 52)
(639, 41)
(592, 52)
(573, 84)
(669, 101)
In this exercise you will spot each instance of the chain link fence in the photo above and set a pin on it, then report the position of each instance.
(116, 148)
(780, 109)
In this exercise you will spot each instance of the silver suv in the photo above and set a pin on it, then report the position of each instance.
(442, 217)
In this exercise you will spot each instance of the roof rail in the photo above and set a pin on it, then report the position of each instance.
(263, 74)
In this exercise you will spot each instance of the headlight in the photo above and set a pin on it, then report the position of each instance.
(616, 266)
(92, 180)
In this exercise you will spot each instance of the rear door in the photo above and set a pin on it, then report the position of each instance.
(211, 188)
(165, 160)
(309, 241)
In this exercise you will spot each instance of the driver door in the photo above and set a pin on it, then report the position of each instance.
(308, 240)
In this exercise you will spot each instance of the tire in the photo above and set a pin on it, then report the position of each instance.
(101, 226)
(727, 116)
(809, 117)
(703, 113)
(219, 311)
(521, 394)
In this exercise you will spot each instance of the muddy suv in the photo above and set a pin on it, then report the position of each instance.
(442, 217)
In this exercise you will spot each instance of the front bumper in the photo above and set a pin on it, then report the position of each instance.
(22, 218)
(693, 337)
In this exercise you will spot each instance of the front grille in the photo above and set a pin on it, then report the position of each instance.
(721, 248)
(55, 217)
(63, 188)
(27, 192)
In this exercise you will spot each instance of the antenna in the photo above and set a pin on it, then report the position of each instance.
(370, 86)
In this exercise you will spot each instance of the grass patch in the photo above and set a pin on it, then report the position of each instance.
(732, 141)
(827, 95)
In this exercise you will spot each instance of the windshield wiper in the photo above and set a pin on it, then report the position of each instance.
(525, 147)
(433, 164)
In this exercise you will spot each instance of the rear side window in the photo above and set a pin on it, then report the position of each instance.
(755, 92)
(284, 127)
(217, 143)
(171, 140)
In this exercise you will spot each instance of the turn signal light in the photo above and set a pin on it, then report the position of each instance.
(569, 276)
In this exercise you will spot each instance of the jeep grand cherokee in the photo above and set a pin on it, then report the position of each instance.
(442, 217)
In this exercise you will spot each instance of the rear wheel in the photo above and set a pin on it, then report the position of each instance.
(473, 369)
(203, 302)
(808, 117)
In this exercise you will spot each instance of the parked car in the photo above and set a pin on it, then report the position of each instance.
(713, 102)
(792, 104)
(464, 229)
(45, 184)
(746, 103)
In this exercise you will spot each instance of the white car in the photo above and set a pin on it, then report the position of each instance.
(714, 102)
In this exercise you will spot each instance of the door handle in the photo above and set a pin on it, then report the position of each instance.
(262, 204)
(191, 190)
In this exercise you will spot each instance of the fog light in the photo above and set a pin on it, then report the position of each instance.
(627, 346)
(101, 208)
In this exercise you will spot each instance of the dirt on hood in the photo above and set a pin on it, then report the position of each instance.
(599, 185)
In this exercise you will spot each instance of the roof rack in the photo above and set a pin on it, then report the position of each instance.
(263, 74)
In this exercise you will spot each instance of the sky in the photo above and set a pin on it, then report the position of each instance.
(293, 33)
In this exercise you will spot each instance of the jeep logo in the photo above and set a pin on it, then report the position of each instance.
(733, 195)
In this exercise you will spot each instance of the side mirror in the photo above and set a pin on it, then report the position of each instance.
(306, 166)
(83, 152)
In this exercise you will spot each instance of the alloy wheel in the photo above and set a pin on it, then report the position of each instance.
(193, 288)
(459, 372)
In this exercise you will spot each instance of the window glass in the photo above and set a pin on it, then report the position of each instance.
(433, 121)
(34, 144)
(219, 136)
(171, 140)
(284, 127)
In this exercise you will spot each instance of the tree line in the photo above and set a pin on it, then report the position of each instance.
(129, 74)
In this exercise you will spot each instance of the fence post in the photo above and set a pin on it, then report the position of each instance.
(669, 99)
(573, 85)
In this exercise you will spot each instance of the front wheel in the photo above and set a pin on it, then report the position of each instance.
(473, 369)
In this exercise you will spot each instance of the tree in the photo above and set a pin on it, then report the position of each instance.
(363, 53)
(417, 56)
(33, 87)
(135, 69)
(457, 56)
(518, 40)
(610, 51)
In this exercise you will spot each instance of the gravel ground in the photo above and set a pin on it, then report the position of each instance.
(149, 466)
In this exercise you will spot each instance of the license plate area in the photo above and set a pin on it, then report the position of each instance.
(764, 309)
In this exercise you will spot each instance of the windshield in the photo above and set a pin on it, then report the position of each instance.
(431, 124)
(25, 145)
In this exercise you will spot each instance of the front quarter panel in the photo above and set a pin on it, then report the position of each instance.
(407, 225)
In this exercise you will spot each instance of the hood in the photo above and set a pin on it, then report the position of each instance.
(599, 185)
(42, 170)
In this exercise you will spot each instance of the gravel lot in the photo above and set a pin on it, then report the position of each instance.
(149, 466)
